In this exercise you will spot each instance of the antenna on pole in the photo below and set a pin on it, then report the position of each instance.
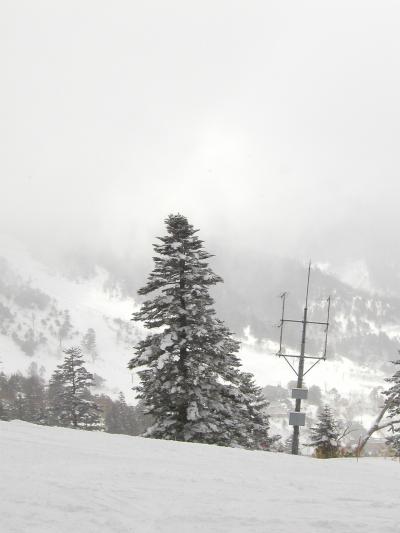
(308, 282)
(296, 417)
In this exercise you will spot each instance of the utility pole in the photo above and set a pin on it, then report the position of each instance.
(297, 418)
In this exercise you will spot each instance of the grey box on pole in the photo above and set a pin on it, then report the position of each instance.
(297, 419)
(300, 394)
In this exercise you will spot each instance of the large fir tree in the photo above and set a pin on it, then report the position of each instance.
(189, 369)
(393, 411)
(325, 435)
(71, 403)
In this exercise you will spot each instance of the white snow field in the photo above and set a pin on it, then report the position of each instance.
(62, 480)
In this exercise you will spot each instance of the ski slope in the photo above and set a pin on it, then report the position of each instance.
(62, 480)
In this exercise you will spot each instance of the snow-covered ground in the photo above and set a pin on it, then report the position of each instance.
(60, 480)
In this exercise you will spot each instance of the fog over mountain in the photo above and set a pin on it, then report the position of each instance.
(272, 125)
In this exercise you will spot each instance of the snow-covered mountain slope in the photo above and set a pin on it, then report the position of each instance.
(364, 326)
(56, 480)
(43, 312)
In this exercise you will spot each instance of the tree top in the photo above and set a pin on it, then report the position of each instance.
(178, 226)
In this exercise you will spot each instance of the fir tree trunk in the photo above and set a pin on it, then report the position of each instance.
(374, 428)
(74, 417)
(183, 349)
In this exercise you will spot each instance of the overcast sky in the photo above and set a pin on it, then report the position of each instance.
(267, 123)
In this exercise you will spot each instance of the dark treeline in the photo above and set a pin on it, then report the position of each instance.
(29, 398)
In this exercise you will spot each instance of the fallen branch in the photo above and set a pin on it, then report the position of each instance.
(376, 426)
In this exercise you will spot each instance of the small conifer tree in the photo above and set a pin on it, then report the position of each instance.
(325, 435)
(34, 395)
(188, 367)
(120, 418)
(4, 404)
(89, 343)
(71, 403)
(65, 327)
(393, 400)
(255, 417)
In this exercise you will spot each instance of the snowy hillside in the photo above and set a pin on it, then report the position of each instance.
(60, 480)
(43, 312)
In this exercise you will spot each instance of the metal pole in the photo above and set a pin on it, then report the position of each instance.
(300, 374)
